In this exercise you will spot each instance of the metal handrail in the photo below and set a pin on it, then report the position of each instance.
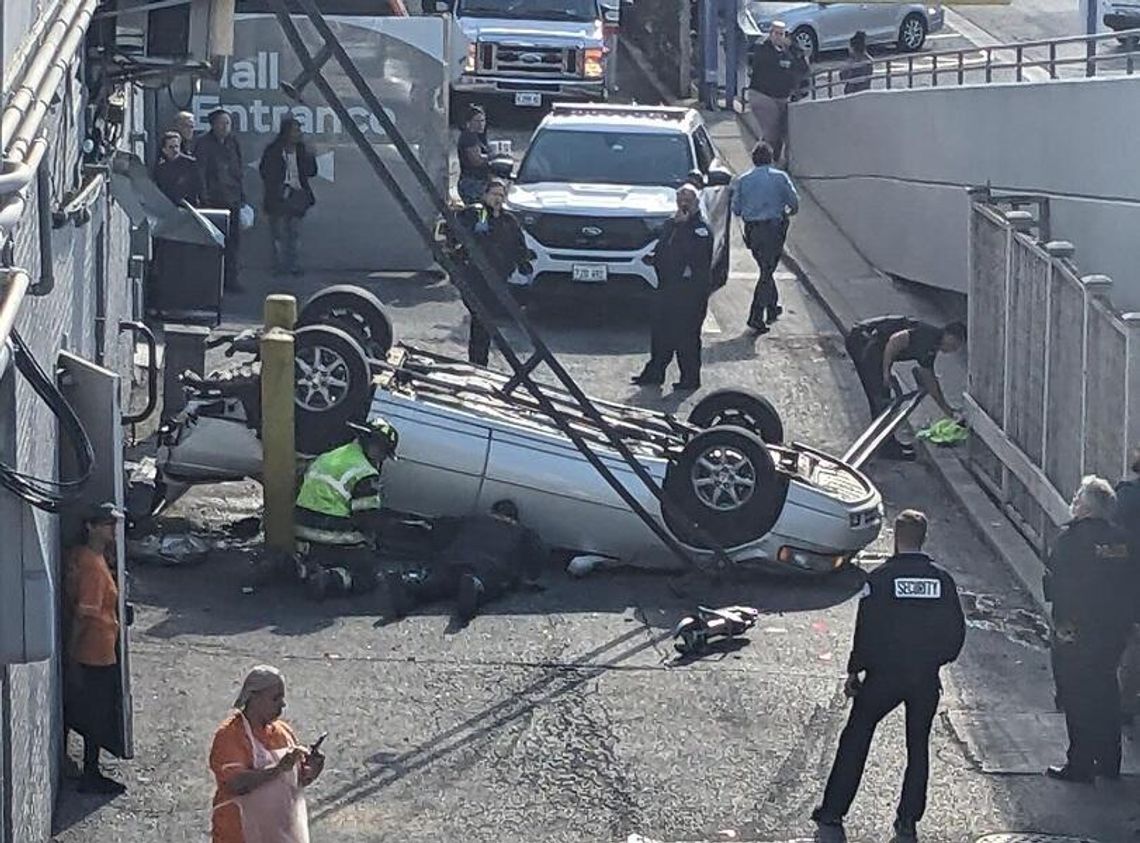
(954, 63)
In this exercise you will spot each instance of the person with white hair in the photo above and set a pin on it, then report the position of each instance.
(1090, 582)
(776, 70)
(260, 768)
(683, 263)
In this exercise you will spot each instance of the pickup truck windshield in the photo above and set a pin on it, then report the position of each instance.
(633, 158)
(574, 10)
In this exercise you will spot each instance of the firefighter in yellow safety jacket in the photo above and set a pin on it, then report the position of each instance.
(338, 512)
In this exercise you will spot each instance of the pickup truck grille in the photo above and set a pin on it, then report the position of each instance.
(533, 62)
(565, 231)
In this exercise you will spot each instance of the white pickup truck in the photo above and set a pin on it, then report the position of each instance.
(531, 52)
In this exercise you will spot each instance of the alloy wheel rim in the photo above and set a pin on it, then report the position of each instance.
(912, 34)
(323, 378)
(723, 478)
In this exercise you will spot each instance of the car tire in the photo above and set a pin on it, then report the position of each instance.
(723, 264)
(737, 408)
(912, 33)
(333, 386)
(354, 310)
(733, 508)
(805, 38)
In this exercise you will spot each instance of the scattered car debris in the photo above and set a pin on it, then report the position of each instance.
(175, 549)
(695, 633)
(585, 564)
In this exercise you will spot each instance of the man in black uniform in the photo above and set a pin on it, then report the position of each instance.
(486, 557)
(1128, 517)
(500, 236)
(683, 262)
(1090, 581)
(910, 623)
(875, 345)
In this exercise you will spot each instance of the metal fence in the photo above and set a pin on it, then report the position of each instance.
(1106, 54)
(1054, 375)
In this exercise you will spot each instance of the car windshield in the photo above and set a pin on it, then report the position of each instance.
(576, 10)
(607, 158)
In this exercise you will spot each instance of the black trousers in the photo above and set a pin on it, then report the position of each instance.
(1089, 694)
(765, 239)
(879, 696)
(676, 332)
(233, 249)
(441, 582)
(478, 342)
(92, 708)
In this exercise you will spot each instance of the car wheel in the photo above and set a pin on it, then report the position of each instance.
(805, 39)
(725, 482)
(912, 33)
(352, 309)
(333, 386)
(736, 408)
(720, 271)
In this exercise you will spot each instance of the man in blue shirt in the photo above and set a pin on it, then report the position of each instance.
(764, 198)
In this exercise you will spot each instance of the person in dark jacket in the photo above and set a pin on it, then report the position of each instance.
(909, 625)
(876, 345)
(777, 70)
(487, 557)
(177, 174)
(857, 71)
(220, 158)
(1128, 517)
(286, 167)
(683, 263)
(500, 238)
(1092, 585)
(474, 155)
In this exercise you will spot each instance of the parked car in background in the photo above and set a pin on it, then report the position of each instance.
(819, 27)
(1122, 15)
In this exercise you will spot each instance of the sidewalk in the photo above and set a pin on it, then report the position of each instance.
(851, 289)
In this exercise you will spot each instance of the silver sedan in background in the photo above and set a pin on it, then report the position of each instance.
(820, 27)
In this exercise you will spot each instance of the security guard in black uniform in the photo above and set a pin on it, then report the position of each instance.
(875, 345)
(1092, 585)
(683, 262)
(910, 623)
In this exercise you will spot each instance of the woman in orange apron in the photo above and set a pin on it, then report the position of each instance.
(260, 768)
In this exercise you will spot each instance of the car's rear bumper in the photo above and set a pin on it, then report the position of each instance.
(558, 264)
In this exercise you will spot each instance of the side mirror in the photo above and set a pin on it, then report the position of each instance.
(612, 16)
(718, 177)
(503, 168)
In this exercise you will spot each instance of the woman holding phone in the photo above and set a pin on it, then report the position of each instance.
(260, 768)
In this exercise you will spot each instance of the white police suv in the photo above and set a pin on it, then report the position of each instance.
(598, 182)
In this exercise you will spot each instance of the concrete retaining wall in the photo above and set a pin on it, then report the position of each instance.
(892, 168)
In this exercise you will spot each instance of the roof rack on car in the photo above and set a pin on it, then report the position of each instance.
(596, 109)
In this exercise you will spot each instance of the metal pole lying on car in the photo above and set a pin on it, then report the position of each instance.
(480, 308)
(279, 452)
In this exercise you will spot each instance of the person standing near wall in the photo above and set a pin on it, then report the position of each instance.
(777, 69)
(856, 72)
(286, 167)
(1091, 583)
(176, 173)
(187, 128)
(92, 696)
(764, 198)
(219, 156)
(474, 155)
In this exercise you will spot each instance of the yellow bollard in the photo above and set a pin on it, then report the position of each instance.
(279, 453)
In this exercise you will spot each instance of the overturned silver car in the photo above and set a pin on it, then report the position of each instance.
(467, 440)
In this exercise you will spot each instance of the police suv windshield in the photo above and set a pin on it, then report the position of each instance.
(575, 10)
(632, 158)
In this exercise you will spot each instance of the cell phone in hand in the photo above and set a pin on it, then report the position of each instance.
(316, 746)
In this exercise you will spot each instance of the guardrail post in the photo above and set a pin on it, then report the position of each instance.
(1090, 58)
(1052, 61)
(1020, 53)
(279, 460)
(989, 65)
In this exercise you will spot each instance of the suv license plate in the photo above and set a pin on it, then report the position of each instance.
(529, 100)
(590, 272)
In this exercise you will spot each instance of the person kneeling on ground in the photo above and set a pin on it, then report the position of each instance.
(338, 512)
(488, 557)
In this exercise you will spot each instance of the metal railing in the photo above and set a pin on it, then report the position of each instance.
(1018, 61)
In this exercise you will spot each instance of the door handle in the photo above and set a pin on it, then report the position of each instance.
(137, 329)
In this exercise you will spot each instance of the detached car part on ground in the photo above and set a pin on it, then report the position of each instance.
(467, 441)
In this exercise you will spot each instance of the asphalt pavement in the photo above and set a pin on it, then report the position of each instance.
(561, 715)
